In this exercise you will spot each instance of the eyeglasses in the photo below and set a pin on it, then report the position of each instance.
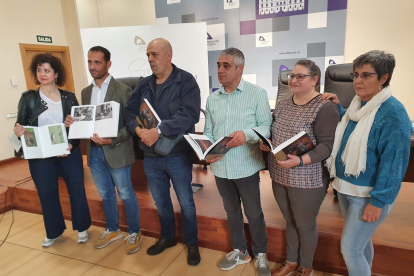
(299, 77)
(363, 75)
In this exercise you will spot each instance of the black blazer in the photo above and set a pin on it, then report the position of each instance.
(31, 106)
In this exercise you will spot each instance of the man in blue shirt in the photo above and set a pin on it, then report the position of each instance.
(175, 96)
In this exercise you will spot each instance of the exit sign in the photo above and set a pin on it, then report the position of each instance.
(44, 39)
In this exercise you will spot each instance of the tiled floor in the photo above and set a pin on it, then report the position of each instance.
(22, 254)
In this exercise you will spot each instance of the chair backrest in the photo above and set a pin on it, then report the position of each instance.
(339, 82)
(283, 90)
(130, 81)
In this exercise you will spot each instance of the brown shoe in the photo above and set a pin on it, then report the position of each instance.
(286, 269)
(302, 271)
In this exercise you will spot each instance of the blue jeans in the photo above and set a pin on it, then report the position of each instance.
(356, 243)
(106, 179)
(178, 169)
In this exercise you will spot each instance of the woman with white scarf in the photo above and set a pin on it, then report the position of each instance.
(369, 157)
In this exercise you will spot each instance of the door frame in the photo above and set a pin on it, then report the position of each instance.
(70, 85)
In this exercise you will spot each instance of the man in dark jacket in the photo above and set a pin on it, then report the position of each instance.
(175, 96)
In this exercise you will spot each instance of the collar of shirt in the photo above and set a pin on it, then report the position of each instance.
(240, 87)
(106, 81)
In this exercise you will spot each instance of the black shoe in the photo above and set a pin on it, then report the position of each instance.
(160, 246)
(193, 254)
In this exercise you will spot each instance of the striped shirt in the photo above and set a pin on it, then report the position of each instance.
(245, 108)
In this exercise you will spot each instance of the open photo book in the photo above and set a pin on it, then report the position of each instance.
(101, 119)
(45, 141)
(147, 117)
(205, 148)
(297, 145)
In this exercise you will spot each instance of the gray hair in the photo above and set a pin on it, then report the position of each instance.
(238, 57)
(382, 62)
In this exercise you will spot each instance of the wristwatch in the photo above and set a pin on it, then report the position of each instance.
(159, 132)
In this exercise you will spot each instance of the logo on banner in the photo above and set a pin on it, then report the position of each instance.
(264, 40)
(283, 67)
(332, 60)
(231, 4)
(140, 43)
(216, 37)
(280, 8)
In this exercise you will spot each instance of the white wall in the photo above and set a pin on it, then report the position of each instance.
(384, 25)
(20, 22)
(115, 13)
(88, 13)
(371, 24)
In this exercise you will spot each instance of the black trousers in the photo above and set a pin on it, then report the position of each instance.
(247, 191)
(45, 173)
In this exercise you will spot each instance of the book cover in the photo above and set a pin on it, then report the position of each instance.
(147, 117)
(297, 145)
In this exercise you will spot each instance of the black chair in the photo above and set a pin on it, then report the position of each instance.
(339, 82)
(283, 90)
(130, 81)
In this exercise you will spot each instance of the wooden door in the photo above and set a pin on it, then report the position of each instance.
(27, 52)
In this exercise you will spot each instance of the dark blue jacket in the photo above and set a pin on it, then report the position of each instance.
(178, 107)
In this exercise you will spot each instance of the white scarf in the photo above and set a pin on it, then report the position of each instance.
(354, 156)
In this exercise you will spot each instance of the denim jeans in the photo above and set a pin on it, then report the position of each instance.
(177, 169)
(106, 179)
(356, 243)
(45, 174)
(246, 190)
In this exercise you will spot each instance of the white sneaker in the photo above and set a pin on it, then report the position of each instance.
(49, 242)
(83, 236)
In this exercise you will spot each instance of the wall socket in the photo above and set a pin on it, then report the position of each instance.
(11, 115)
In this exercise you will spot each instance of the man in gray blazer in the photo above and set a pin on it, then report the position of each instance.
(111, 159)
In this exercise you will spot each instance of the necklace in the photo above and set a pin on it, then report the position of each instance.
(304, 100)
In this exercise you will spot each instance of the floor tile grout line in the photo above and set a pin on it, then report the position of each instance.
(88, 270)
(24, 263)
(109, 252)
(69, 258)
(22, 229)
(245, 265)
(116, 269)
(173, 260)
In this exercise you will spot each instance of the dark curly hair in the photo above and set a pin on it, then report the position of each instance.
(54, 62)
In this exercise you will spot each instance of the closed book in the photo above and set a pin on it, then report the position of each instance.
(147, 117)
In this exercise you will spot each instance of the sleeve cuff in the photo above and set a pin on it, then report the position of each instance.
(251, 137)
(134, 126)
(376, 203)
